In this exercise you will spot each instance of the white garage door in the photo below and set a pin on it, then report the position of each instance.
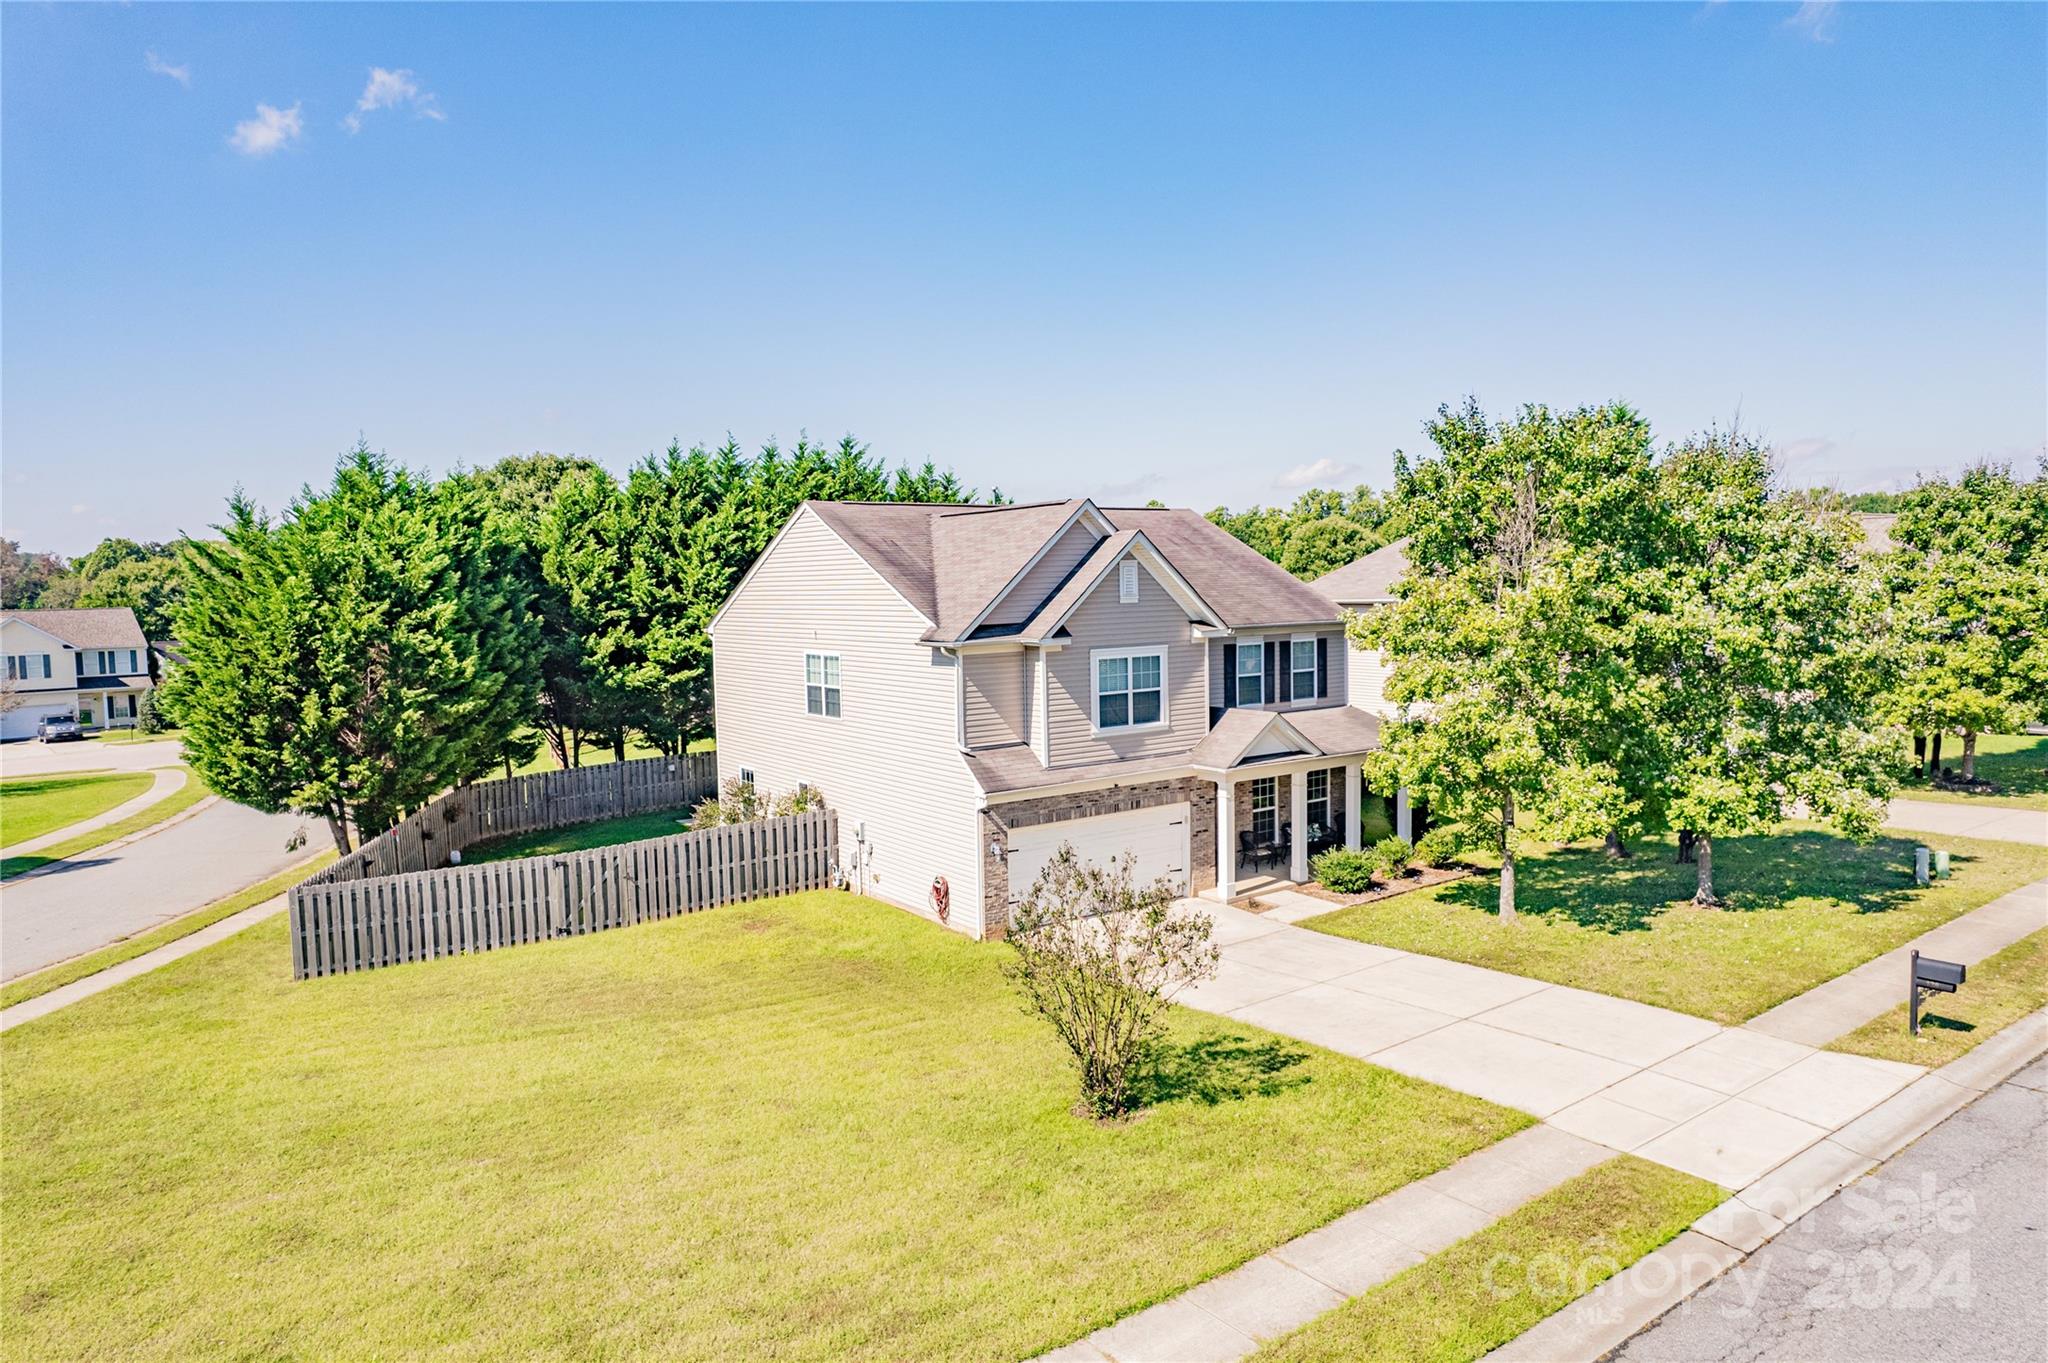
(21, 723)
(1157, 837)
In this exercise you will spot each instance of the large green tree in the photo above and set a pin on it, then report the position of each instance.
(1773, 661)
(1526, 537)
(151, 586)
(1968, 587)
(362, 653)
(645, 564)
(1323, 530)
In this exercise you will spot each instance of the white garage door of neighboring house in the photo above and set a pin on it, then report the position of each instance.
(1157, 837)
(21, 722)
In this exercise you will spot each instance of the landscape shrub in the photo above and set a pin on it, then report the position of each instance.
(1437, 847)
(149, 715)
(740, 801)
(1097, 956)
(1391, 855)
(1344, 870)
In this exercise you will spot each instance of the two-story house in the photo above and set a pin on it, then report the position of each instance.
(90, 663)
(971, 686)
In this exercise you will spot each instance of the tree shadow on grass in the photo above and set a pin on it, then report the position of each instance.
(1582, 885)
(1218, 1069)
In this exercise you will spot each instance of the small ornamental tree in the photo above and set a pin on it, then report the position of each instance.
(1100, 957)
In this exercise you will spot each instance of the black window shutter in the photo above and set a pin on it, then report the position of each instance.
(1322, 669)
(1272, 666)
(1285, 690)
(1229, 675)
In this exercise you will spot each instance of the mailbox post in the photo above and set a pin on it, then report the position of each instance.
(1930, 976)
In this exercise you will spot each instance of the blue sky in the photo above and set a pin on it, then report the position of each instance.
(1205, 254)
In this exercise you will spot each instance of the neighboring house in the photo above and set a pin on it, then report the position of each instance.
(90, 663)
(1367, 584)
(969, 687)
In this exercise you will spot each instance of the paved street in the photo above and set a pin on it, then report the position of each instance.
(100, 897)
(2000, 822)
(41, 759)
(1941, 1253)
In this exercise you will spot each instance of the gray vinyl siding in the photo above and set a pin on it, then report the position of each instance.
(1101, 621)
(1045, 577)
(1337, 693)
(998, 708)
(890, 763)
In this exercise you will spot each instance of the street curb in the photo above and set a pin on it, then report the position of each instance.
(1599, 1323)
(137, 836)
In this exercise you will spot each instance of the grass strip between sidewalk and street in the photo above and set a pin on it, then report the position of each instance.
(1803, 905)
(128, 948)
(177, 802)
(1470, 1299)
(1998, 991)
(31, 806)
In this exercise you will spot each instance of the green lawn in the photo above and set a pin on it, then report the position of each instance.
(177, 802)
(808, 1128)
(577, 837)
(31, 806)
(136, 736)
(1803, 906)
(595, 755)
(93, 962)
(1483, 1291)
(1998, 991)
(2018, 763)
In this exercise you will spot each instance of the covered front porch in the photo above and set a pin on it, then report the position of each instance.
(1288, 786)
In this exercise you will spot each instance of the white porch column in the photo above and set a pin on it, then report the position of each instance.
(1404, 816)
(1297, 812)
(1226, 838)
(1354, 796)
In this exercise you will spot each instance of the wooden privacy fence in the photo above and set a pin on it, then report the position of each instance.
(528, 804)
(362, 923)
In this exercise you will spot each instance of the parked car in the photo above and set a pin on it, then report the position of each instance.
(58, 728)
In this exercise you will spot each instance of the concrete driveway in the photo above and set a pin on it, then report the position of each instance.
(1723, 1103)
(30, 758)
(101, 897)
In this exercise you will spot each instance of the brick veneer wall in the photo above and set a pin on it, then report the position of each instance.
(997, 821)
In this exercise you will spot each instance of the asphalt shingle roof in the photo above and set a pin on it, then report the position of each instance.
(100, 627)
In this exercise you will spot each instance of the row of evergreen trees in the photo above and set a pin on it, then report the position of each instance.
(391, 634)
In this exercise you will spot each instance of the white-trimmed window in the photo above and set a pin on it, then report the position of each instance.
(1319, 798)
(1265, 809)
(1127, 582)
(1130, 688)
(1251, 672)
(1301, 652)
(821, 684)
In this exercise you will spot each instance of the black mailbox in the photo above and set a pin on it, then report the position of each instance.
(1941, 977)
(1944, 976)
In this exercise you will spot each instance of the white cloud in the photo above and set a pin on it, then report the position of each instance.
(390, 90)
(1320, 473)
(1816, 19)
(180, 74)
(269, 131)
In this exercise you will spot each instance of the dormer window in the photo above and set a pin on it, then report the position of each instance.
(1127, 582)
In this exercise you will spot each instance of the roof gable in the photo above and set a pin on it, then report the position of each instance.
(1242, 586)
(1367, 579)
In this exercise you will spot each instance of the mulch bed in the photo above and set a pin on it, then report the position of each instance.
(1419, 879)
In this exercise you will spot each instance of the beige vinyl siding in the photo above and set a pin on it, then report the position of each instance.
(1044, 578)
(998, 709)
(1337, 646)
(1155, 619)
(890, 763)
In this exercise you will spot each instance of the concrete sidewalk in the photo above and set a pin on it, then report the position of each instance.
(168, 781)
(2000, 823)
